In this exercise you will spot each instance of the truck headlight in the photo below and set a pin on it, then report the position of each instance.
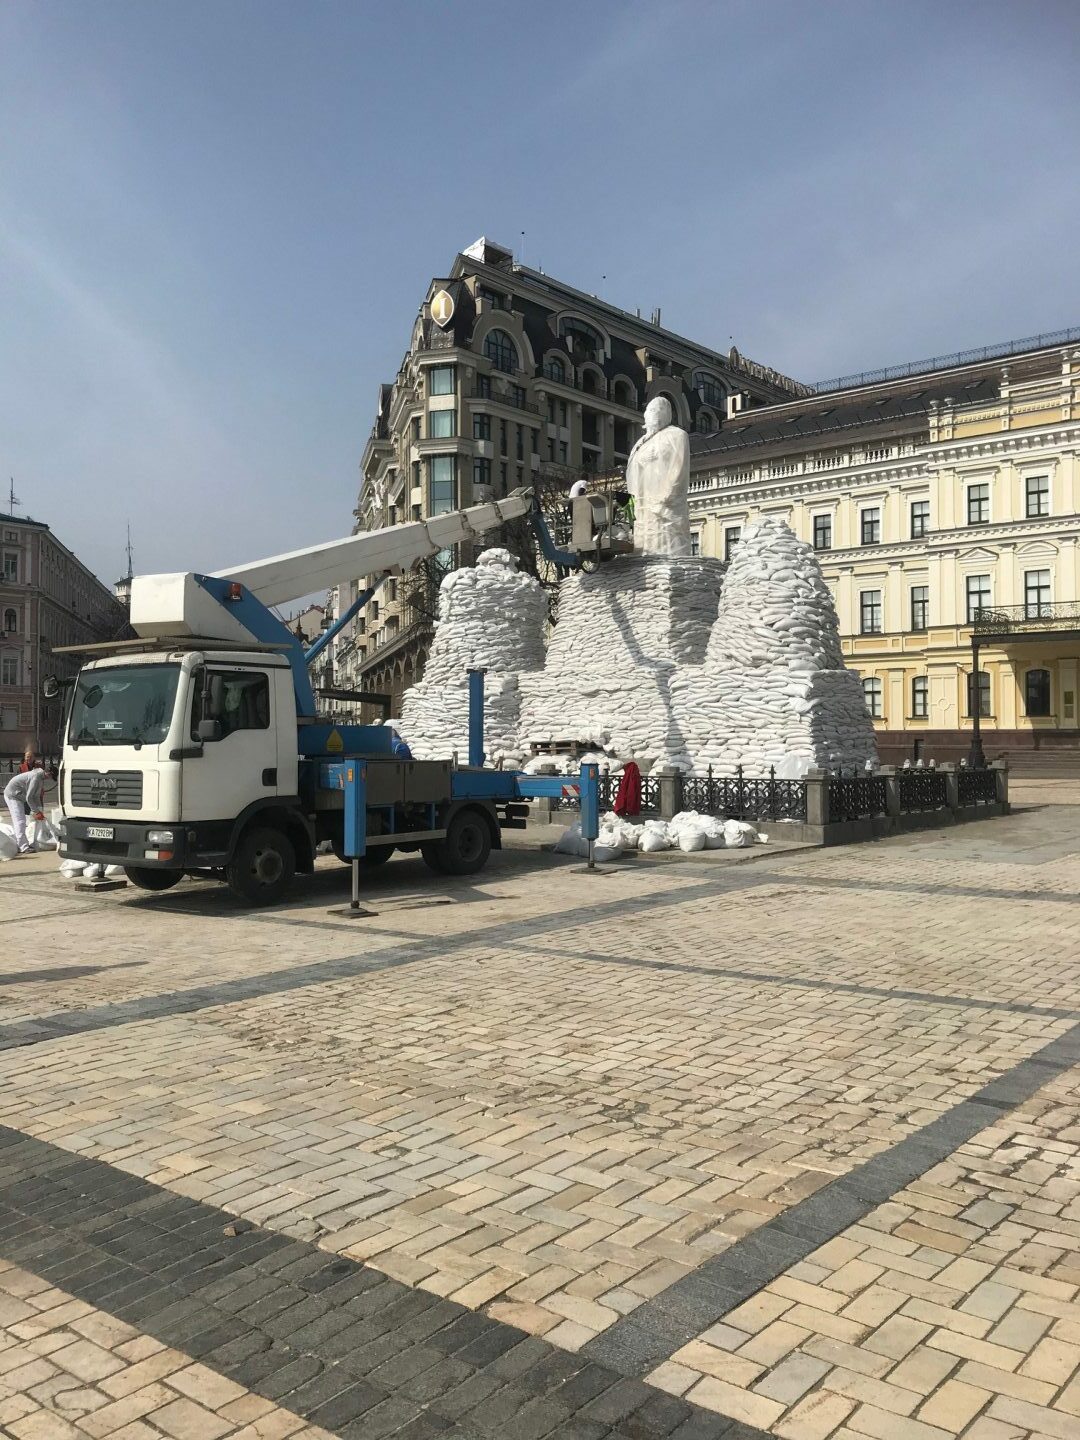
(159, 837)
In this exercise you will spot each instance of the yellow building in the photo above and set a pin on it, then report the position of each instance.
(941, 504)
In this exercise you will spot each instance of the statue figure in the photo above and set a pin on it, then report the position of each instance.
(658, 477)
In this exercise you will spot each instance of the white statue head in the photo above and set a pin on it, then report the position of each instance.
(657, 414)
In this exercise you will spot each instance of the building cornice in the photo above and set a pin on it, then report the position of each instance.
(1063, 435)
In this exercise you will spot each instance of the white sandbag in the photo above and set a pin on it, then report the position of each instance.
(8, 848)
(56, 815)
(94, 872)
(40, 835)
(691, 838)
(654, 836)
(571, 841)
(70, 868)
(113, 872)
(735, 836)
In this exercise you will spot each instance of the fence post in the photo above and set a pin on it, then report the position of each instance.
(892, 792)
(670, 785)
(952, 787)
(817, 797)
(1001, 783)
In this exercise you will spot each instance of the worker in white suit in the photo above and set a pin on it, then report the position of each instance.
(25, 794)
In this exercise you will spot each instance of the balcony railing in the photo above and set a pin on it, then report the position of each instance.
(1030, 618)
(498, 397)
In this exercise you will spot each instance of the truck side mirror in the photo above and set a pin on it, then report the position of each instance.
(50, 687)
(209, 730)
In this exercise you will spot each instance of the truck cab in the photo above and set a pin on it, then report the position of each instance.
(172, 754)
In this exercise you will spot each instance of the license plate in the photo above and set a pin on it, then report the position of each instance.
(101, 832)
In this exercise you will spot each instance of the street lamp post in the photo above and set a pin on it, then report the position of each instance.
(976, 756)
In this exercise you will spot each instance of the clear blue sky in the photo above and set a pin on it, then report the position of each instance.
(218, 217)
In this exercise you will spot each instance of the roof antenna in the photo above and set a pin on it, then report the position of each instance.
(13, 499)
(523, 247)
(131, 569)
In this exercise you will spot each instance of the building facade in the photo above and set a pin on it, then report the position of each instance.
(512, 379)
(941, 503)
(48, 598)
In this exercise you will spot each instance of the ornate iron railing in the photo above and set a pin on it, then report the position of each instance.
(1023, 619)
(859, 797)
(976, 787)
(738, 798)
(948, 362)
(921, 790)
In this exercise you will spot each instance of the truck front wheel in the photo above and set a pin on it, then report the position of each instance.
(262, 866)
(145, 878)
(465, 848)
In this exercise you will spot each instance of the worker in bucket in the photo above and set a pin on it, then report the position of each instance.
(398, 748)
(25, 794)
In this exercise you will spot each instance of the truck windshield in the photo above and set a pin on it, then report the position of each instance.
(124, 705)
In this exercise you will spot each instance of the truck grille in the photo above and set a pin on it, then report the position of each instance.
(113, 790)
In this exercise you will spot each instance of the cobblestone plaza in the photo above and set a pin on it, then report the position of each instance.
(747, 1144)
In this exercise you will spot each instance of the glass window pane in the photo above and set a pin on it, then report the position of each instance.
(1037, 692)
(441, 424)
(978, 500)
(441, 486)
(731, 539)
(920, 607)
(872, 694)
(501, 350)
(920, 518)
(984, 693)
(978, 595)
(920, 688)
(822, 532)
(1038, 495)
(870, 612)
(441, 380)
(871, 527)
(1037, 593)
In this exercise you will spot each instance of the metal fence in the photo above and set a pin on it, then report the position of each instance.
(976, 787)
(737, 798)
(857, 797)
(921, 790)
(950, 361)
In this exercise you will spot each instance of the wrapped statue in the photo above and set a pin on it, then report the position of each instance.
(658, 477)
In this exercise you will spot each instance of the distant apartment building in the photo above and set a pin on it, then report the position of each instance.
(512, 379)
(943, 500)
(48, 599)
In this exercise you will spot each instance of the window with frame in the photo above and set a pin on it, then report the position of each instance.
(978, 504)
(442, 477)
(564, 414)
(442, 424)
(870, 527)
(1037, 692)
(555, 370)
(11, 621)
(442, 380)
(708, 388)
(416, 474)
(11, 566)
(822, 532)
(978, 596)
(502, 438)
(236, 699)
(501, 351)
(481, 427)
(481, 472)
(520, 450)
(920, 697)
(483, 387)
(870, 612)
(416, 427)
(872, 694)
(9, 670)
(564, 452)
(517, 396)
(983, 683)
(920, 607)
(1036, 594)
(920, 519)
(1037, 490)
(695, 542)
(731, 539)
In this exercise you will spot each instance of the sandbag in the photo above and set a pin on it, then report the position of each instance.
(691, 838)
(40, 835)
(654, 836)
(8, 848)
(70, 868)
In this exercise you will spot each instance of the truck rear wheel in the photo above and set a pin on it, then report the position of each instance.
(465, 847)
(145, 878)
(262, 866)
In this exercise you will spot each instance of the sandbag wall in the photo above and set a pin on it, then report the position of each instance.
(490, 616)
(773, 690)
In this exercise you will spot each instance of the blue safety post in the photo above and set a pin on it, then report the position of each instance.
(476, 718)
(355, 822)
(589, 791)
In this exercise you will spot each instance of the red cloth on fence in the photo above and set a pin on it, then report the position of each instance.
(628, 800)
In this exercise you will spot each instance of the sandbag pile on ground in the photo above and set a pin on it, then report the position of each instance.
(490, 616)
(623, 632)
(687, 831)
(773, 689)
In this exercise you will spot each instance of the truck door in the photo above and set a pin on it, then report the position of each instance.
(232, 723)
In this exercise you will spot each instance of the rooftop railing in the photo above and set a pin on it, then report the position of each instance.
(951, 361)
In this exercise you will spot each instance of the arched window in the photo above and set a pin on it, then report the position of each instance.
(871, 689)
(623, 394)
(554, 369)
(1037, 692)
(706, 422)
(11, 620)
(708, 387)
(501, 350)
(585, 342)
(589, 382)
